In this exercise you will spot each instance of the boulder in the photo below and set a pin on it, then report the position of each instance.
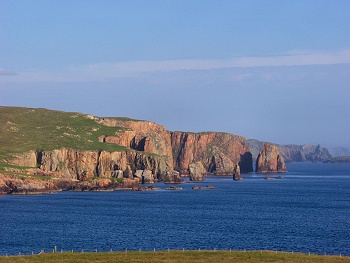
(145, 176)
(196, 171)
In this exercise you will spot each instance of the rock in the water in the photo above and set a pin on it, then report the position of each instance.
(145, 176)
(173, 177)
(270, 160)
(237, 173)
(197, 171)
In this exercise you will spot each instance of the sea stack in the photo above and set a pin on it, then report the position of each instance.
(270, 160)
(197, 171)
(237, 173)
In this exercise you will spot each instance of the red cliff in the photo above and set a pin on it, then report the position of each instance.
(218, 152)
(270, 160)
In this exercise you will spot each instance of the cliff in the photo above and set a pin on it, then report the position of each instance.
(218, 152)
(81, 165)
(142, 136)
(270, 160)
(293, 152)
(305, 153)
(88, 152)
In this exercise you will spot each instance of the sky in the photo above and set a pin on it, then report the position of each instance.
(276, 71)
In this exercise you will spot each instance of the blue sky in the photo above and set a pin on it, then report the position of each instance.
(271, 70)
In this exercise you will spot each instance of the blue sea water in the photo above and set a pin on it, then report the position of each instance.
(306, 211)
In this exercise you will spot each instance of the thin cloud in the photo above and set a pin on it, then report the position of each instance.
(4, 72)
(140, 67)
(103, 71)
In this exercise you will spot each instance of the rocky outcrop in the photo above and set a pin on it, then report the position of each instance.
(293, 152)
(197, 171)
(28, 159)
(145, 176)
(270, 160)
(237, 173)
(218, 152)
(14, 184)
(142, 136)
(173, 177)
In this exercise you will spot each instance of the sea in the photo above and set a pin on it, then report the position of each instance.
(308, 211)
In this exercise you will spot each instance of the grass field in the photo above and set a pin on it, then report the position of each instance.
(176, 256)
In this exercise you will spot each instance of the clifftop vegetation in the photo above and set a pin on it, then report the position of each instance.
(24, 129)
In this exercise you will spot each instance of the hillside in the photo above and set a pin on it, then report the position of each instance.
(24, 129)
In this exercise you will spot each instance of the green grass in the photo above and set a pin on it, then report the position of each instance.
(175, 256)
(24, 129)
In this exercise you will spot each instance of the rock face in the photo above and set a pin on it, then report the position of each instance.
(270, 160)
(197, 171)
(82, 165)
(142, 136)
(218, 152)
(293, 152)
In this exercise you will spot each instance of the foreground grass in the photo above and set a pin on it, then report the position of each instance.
(176, 256)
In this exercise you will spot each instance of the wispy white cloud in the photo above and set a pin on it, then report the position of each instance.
(103, 71)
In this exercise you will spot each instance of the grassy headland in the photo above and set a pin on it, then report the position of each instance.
(24, 129)
(176, 256)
